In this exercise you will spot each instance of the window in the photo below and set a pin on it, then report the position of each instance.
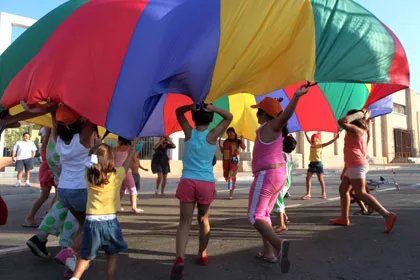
(400, 109)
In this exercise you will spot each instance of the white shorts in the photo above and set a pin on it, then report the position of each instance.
(358, 172)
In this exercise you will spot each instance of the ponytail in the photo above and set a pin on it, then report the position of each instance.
(101, 164)
(289, 142)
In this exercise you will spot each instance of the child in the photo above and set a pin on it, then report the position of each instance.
(121, 153)
(197, 183)
(269, 169)
(74, 137)
(288, 147)
(46, 181)
(355, 168)
(315, 165)
(102, 229)
(230, 149)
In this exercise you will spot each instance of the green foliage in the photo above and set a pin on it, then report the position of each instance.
(11, 136)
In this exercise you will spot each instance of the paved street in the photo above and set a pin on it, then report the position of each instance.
(318, 250)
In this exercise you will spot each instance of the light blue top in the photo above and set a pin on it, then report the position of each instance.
(198, 157)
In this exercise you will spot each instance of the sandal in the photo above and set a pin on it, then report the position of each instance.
(260, 256)
(361, 213)
(30, 225)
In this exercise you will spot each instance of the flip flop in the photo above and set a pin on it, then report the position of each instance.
(260, 256)
(30, 225)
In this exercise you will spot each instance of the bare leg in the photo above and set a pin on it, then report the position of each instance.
(322, 182)
(359, 186)
(19, 176)
(158, 180)
(27, 175)
(80, 268)
(164, 180)
(77, 241)
(54, 199)
(185, 217)
(269, 238)
(308, 186)
(45, 193)
(203, 221)
(134, 208)
(111, 267)
(344, 190)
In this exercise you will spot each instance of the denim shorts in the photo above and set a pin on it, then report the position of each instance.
(316, 167)
(75, 199)
(105, 235)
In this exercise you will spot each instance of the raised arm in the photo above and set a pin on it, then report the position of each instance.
(243, 147)
(346, 123)
(220, 145)
(159, 143)
(337, 135)
(215, 133)
(307, 138)
(89, 130)
(182, 120)
(278, 123)
(173, 146)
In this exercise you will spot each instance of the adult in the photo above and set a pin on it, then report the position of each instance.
(230, 149)
(23, 154)
(160, 162)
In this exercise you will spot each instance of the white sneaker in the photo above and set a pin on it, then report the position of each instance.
(17, 184)
(71, 263)
(28, 184)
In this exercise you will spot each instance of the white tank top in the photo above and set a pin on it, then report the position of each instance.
(74, 157)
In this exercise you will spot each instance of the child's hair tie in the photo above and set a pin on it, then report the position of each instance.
(93, 160)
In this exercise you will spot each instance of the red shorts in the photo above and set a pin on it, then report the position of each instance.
(45, 176)
(194, 190)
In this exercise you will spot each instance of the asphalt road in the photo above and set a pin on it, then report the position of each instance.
(318, 250)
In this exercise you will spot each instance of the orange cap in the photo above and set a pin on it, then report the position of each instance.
(66, 115)
(270, 106)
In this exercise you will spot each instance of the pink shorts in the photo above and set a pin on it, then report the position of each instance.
(264, 192)
(194, 190)
(128, 183)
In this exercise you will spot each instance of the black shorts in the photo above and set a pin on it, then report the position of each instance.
(28, 164)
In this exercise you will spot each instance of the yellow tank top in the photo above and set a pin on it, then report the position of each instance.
(315, 153)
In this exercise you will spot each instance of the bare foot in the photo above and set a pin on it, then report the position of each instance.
(306, 197)
(137, 210)
(280, 229)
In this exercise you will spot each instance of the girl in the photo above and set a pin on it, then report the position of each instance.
(355, 168)
(46, 181)
(269, 169)
(315, 164)
(121, 152)
(102, 229)
(73, 138)
(197, 183)
(160, 162)
(288, 147)
(230, 151)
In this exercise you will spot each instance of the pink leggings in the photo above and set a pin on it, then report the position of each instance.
(129, 184)
(263, 194)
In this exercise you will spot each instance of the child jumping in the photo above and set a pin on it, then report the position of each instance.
(230, 149)
(121, 154)
(270, 174)
(356, 168)
(102, 229)
(197, 185)
(315, 163)
(289, 146)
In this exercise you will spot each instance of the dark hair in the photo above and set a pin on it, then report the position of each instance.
(289, 144)
(231, 129)
(66, 132)
(25, 133)
(124, 141)
(98, 174)
(202, 117)
(361, 123)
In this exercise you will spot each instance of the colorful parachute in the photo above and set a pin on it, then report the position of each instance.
(113, 61)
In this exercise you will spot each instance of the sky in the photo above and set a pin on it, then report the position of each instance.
(400, 16)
